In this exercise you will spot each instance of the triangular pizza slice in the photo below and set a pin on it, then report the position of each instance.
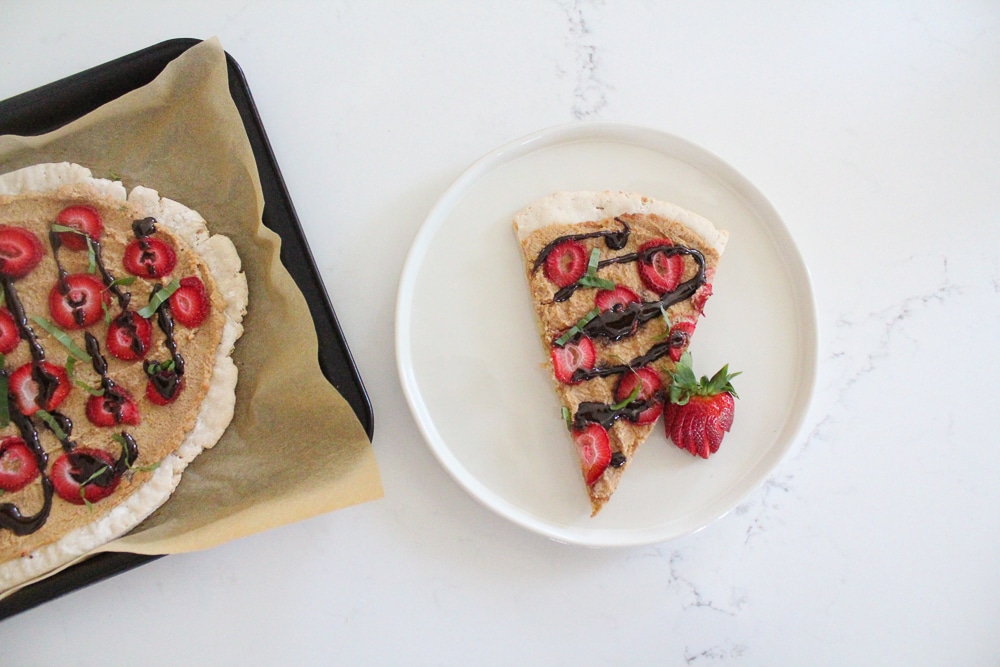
(618, 282)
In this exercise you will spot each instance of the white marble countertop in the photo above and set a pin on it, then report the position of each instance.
(872, 129)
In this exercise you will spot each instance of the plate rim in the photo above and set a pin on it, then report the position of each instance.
(628, 134)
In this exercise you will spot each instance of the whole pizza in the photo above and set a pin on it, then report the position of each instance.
(118, 318)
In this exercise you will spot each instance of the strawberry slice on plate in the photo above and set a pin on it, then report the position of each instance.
(566, 263)
(699, 412)
(189, 302)
(24, 387)
(18, 466)
(84, 219)
(660, 271)
(78, 301)
(649, 384)
(149, 258)
(10, 335)
(84, 475)
(115, 407)
(594, 447)
(20, 251)
(572, 356)
(129, 336)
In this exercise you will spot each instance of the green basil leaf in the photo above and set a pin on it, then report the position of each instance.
(123, 281)
(158, 298)
(631, 397)
(61, 336)
(51, 422)
(4, 398)
(63, 228)
(578, 327)
(594, 281)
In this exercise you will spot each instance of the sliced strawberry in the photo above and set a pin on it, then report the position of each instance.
(78, 301)
(24, 387)
(164, 386)
(84, 219)
(651, 384)
(149, 257)
(700, 297)
(699, 412)
(619, 297)
(18, 466)
(10, 335)
(189, 303)
(566, 263)
(113, 408)
(700, 424)
(20, 251)
(680, 338)
(84, 475)
(659, 271)
(594, 448)
(572, 356)
(129, 336)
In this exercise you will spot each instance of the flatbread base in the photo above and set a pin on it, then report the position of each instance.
(217, 408)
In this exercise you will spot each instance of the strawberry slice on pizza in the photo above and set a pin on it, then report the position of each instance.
(618, 282)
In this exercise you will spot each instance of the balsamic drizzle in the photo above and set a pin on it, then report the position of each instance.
(112, 395)
(615, 240)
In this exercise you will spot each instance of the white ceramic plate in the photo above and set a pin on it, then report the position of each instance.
(470, 358)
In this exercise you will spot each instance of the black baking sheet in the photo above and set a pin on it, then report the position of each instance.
(49, 107)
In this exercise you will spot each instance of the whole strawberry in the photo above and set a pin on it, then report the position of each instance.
(698, 413)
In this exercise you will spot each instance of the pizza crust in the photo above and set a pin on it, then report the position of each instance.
(217, 408)
(563, 208)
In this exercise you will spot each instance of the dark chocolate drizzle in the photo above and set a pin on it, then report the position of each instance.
(657, 351)
(47, 383)
(606, 415)
(615, 240)
(11, 517)
(683, 291)
(165, 382)
(113, 397)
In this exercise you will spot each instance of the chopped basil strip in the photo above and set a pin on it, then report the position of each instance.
(124, 280)
(64, 228)
(568, 417)
(61, 336)
(158, 298)
(631, 397)
(91, 256)
(576, 328)
(4, 405)
(70, 369)
(594, 281)
(51, 422)
(590, 279)
(666, 320)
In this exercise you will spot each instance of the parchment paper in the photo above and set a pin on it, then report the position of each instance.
(295, 448)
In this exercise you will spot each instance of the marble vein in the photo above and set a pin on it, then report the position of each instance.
(590, 93)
